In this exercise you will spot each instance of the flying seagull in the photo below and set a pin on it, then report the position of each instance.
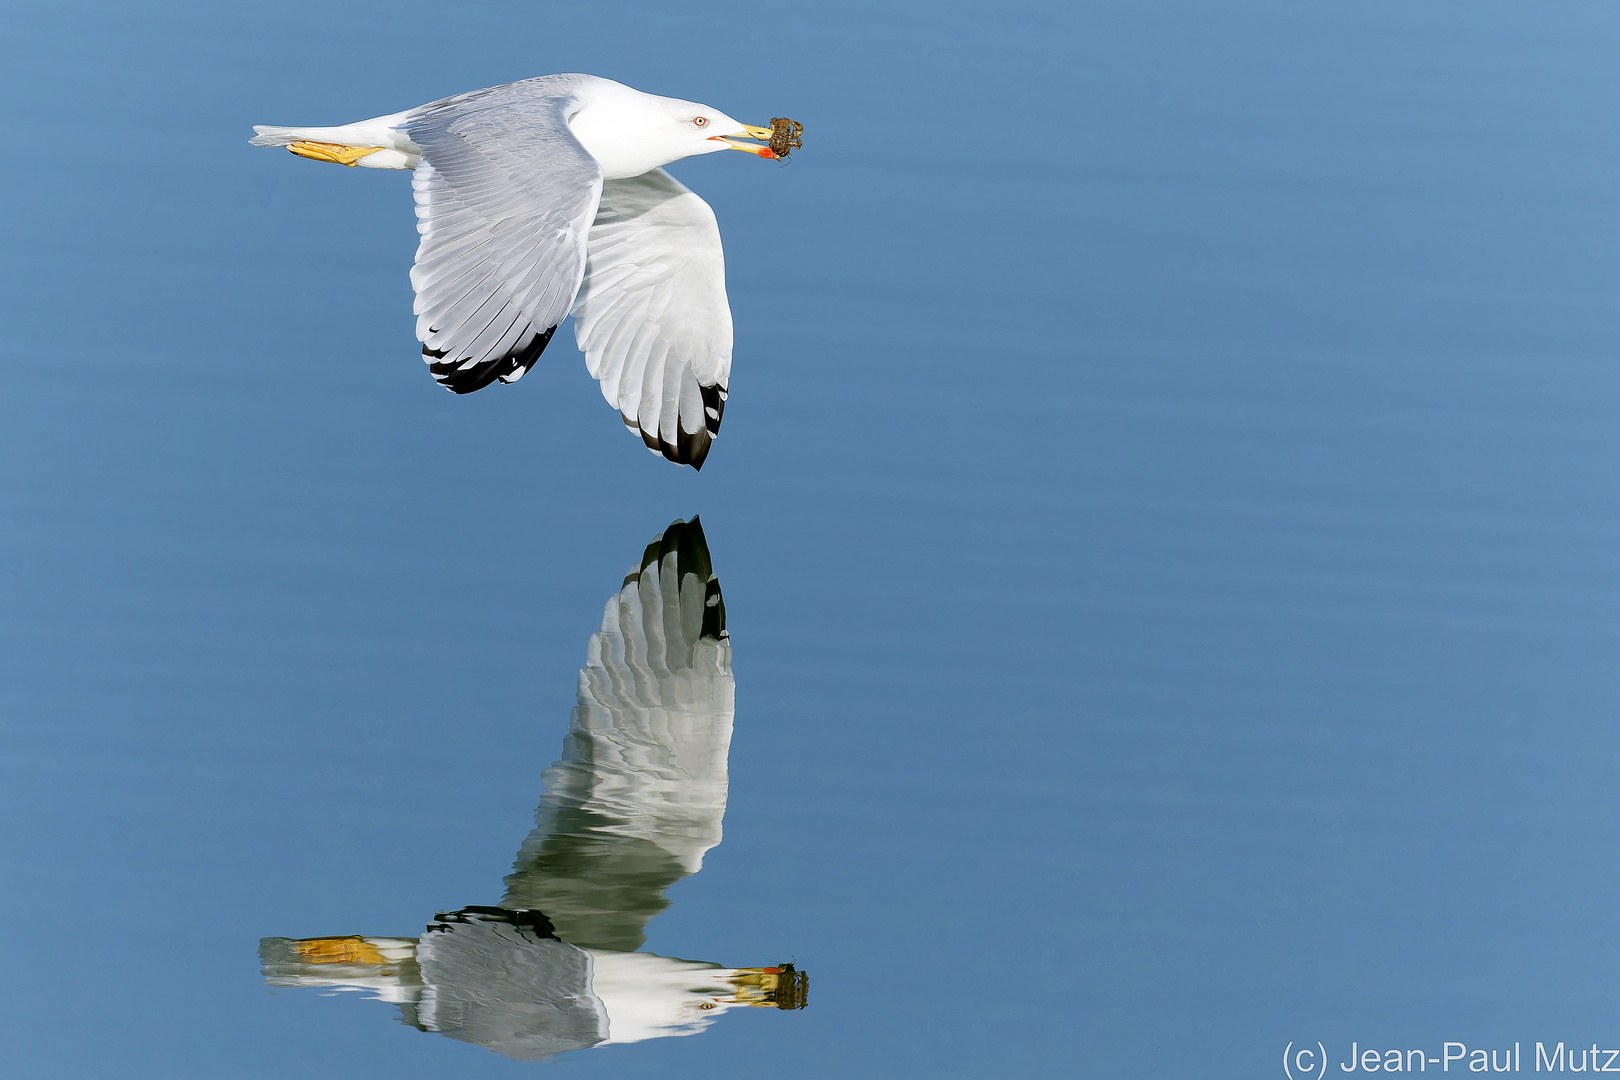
(545, 197)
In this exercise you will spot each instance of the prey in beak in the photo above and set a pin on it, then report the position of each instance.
(780, 139)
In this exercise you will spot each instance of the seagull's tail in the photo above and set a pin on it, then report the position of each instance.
(376, 144)
(378, 131)
(270, 135)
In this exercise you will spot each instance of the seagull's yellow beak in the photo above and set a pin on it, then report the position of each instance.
(749, 131)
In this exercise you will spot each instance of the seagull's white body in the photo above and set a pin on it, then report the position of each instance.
(544, 198)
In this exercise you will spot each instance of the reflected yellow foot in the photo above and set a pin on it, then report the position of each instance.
(353, 949)
(335, 152)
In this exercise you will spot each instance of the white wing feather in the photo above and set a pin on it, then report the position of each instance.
(504, 199)
(652, 316)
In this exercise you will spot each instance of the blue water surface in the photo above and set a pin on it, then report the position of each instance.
(1167, 510)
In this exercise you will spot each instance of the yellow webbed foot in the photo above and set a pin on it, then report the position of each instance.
(334, 152)
(353, 949)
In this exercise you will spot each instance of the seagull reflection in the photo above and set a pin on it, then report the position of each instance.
(630, 809)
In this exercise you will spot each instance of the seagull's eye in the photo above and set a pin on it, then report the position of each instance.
(700, 120)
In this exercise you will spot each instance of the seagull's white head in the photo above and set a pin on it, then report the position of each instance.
(629, 132)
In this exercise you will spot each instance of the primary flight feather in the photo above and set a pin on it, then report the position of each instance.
(544, 198)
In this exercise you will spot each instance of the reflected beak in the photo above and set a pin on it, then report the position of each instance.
(783, 987)
(749, 131)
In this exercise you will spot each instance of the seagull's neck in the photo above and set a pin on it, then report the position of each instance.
(620, 128)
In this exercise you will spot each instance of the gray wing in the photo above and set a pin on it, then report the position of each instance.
(639, 794)
(652, 316)
(505, 196)
(491, 980)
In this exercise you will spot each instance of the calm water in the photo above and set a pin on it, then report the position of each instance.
(1167, 513)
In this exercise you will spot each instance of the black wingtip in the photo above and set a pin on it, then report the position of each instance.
(714, 407)
(693, 449)
(507, 367)
(690, 447)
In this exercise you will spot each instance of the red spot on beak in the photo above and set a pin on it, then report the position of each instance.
(762, 151)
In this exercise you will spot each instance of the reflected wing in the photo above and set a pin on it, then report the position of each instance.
(504, 200)
(495, 979)
(639, 794)
(652, 316)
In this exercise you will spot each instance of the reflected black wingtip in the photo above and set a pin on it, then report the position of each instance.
(527, 918)
(685, 540)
